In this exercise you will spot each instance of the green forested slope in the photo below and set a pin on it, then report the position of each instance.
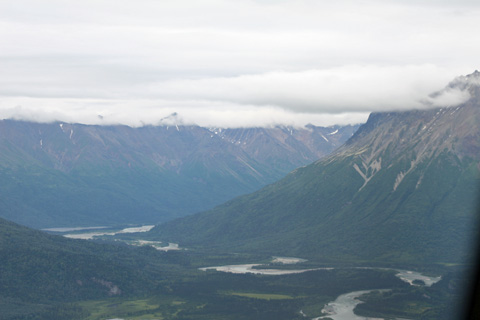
(38, 271)
(49, 277)
(404, 188)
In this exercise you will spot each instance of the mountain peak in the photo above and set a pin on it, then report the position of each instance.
(472, 79)
(458, 91)
(469, 83)
(172, 119)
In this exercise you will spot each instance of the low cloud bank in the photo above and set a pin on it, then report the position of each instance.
(231, 63)
(136, 113)
(336, 90)
(321, 97)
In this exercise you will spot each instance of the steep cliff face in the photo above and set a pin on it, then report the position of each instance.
(64, 174)
(403, 188)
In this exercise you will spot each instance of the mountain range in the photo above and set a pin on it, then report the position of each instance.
(402, 191)
(404, 188)
(61, 174)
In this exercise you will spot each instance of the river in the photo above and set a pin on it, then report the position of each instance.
(250, 268)
(342, 307)
(91, 235)
(87, 233)
(101, 231)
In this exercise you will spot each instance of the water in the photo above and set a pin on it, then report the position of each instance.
(137, 229)
(91, 235)
(88, 236)
(249, 268)
(154, 244)
(109, 231)
(342, 307)
(287, 260)
(73, 229)
(410, 276)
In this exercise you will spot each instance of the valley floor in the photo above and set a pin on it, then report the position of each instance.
(237, 292)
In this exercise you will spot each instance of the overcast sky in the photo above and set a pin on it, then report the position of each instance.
(231, 63)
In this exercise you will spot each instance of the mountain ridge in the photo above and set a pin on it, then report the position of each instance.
(142, 175)
(403, 189)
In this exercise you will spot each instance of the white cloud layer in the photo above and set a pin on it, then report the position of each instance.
(231, 63)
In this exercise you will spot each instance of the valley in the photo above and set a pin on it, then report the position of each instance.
(248, 295)
(143, 175)
(339, 307)
(384, 226)
(408, 178)
(239, 160)
(180, 285)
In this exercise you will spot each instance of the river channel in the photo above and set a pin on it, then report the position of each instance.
(342, 307)
(89, 233)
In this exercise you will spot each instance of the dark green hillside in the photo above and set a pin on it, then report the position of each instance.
(38, 271)
(404, 188)
(49, 277)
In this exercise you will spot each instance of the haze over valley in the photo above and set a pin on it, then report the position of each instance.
(143, 175)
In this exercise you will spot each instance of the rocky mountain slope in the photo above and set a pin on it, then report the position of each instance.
(62, 174)
(404, 188)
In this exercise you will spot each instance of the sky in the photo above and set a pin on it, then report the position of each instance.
(231, 63)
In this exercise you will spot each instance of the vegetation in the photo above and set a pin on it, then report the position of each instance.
(50, 277)
(441, 301)
(263, 296)
(326, 211)
(393, 196)
(140, 175)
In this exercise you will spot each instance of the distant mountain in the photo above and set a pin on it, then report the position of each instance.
(62, 174)
(404, 188)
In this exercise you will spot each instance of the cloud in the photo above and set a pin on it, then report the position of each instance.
(294, 59)
(345, 89)
(137, 113)
(447, 97)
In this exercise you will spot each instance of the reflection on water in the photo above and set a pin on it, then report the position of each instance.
(155, 244)
(72, 229)
(342, 307)
(88, 235)
(105, 231)
(287, 260)
(109, 231)
(250, 268)
(410, 276)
